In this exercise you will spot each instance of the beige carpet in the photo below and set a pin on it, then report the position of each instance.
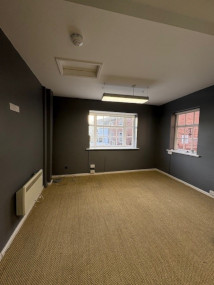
(136, 228)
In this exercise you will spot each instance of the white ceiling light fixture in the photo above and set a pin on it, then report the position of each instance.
(77, 39)
(109, 97)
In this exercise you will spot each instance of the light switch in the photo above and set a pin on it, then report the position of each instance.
(14, 108)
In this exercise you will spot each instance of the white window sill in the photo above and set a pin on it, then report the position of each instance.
(121, 148)
(171, 151)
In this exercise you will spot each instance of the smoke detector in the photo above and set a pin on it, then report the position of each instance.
(77, 39)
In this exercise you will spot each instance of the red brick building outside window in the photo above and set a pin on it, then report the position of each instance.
(186, 131)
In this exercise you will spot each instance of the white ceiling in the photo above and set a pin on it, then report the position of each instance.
(196, 15)
(171, 61)
(200, 9)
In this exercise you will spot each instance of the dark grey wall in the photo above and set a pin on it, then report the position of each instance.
(47, 135)
(70, 138)
(21, 145)
(196, 171)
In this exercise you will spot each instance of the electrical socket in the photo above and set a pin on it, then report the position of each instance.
(14, 107)
(92, 166)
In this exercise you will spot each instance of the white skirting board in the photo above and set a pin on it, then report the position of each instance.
(49, 183)
(8, 244)
(101, 173)
(185, 183)
(136, 170)
(86, 174)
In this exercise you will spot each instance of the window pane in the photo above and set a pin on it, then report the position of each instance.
(106, 120)
(112, 121)
(184, 139)
(197, 114)
(189, 118)
(119, 121)
(129, 141)
(181, 120)
(99, 120)
(195, 145)
(109, 121)
(112, 141)
(128, 132)
(106, 131)
(189, 132)
(188, 145)
(99, 141)
(106, 141)
(91, 136)
(99, 131)
(112, 131)
(180, 132)
(179, 144)
(195, 132)
(119, 141)
(91, 131)
(91, 119)
(120, 132)
(129, 122)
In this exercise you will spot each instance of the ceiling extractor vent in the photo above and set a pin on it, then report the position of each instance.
(78, 67)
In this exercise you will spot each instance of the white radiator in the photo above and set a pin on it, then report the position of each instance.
(28, 194)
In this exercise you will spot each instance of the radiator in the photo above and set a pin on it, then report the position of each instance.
(28, 194)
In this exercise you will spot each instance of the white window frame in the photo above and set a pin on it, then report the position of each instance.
(192, 152)
(114, 114)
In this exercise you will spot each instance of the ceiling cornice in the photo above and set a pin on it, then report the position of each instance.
(140, 10)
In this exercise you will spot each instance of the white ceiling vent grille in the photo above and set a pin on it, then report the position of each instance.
(81, 68)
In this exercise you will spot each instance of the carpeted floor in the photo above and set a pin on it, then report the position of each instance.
(132, 228)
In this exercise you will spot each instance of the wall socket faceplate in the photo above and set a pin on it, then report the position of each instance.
(14, 107)
(92, 168)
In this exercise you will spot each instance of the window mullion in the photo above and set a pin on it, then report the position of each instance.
(136, 127)
(124, 132)
(95, 130)
(176, 130)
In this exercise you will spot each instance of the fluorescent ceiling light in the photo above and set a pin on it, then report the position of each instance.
(107, 97)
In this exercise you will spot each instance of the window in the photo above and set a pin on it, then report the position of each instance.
(110, 130)
(186, 131)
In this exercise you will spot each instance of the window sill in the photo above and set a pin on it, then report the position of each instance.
(171, 151)
(133, 148)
